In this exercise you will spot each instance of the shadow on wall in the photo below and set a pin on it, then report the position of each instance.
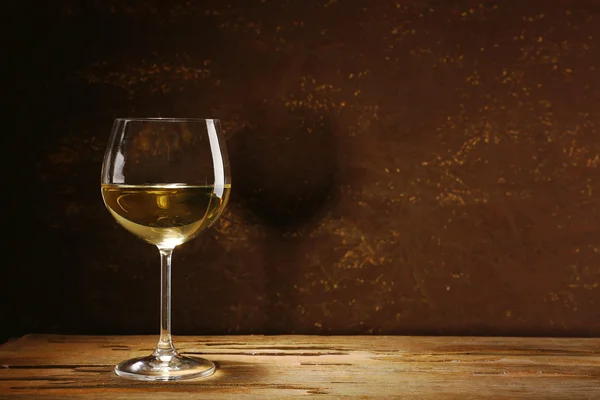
(285, 166)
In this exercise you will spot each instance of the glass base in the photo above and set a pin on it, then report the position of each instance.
(165, 368)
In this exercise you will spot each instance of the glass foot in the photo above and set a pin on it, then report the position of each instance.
(165, 368)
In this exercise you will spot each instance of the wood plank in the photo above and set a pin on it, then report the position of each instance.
(369, 367)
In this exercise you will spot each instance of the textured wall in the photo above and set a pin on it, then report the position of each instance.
(398, 166)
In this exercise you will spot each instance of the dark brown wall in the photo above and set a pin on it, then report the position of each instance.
(399, 166)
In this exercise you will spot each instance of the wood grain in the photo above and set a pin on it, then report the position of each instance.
(273, 367)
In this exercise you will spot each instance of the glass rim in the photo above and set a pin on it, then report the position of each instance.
(164, 119)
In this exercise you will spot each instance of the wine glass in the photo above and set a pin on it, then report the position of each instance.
(166, 180)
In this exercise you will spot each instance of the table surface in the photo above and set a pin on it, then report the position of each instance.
(365, 367)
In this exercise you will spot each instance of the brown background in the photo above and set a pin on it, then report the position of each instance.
(422, 167)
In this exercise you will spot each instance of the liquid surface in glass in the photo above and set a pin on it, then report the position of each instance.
(165, 215)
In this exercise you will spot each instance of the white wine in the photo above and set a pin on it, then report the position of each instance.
(165, 215)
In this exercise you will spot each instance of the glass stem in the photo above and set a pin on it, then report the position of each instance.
(165, 348)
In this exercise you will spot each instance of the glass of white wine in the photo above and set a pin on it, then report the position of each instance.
(166, 180)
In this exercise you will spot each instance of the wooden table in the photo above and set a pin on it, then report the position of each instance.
(364, 367)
